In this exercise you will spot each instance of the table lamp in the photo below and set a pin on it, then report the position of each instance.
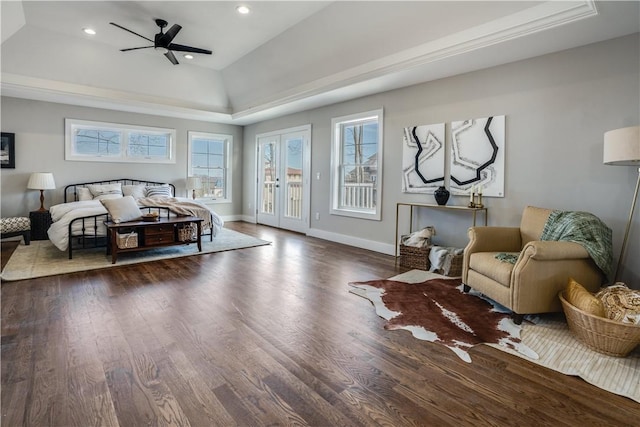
(622, 148)
(193, 183)
(41, 181)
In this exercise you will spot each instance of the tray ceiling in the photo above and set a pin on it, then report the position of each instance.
(282, 57)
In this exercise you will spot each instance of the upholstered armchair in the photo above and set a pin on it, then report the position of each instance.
(538, 269)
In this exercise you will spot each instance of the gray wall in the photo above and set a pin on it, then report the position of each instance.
(557, 109)
(39, 130)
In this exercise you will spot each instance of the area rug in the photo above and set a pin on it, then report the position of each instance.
(549, 337)
(437, 310)
(41, 258)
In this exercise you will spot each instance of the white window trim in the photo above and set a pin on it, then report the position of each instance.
(70, 154)
(229, 162)
(335, 162)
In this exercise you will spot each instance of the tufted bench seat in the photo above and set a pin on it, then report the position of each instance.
(16, 226)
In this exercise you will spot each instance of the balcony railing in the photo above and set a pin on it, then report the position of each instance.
(293, 208)
(356, 196)
(359, 196)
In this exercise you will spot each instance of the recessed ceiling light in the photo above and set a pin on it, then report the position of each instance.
(188, 56)
(243, 10)
(89, 31)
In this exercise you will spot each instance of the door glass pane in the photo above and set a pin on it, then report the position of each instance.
(268, 170)
(293, 178)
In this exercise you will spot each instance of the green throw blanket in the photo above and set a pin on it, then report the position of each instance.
(580, 227)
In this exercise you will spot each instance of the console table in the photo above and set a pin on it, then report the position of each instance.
(472, 211)
(152, 234)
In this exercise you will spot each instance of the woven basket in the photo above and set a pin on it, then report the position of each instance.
(187, 233)
(599, 333)
(413, 257)
(455, 269)
(127, 240)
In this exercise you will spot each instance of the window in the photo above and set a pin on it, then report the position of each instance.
(210, 160)
(356, 179)
(111, 142)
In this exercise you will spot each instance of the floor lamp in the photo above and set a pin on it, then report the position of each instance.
(622, 148)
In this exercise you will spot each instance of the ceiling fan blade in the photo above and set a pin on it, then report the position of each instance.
(171, 57)
(166, 38)
(183, 48)
(132, 32)
(135, 48)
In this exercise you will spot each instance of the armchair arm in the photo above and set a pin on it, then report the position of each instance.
(553, 250)
(493, 239)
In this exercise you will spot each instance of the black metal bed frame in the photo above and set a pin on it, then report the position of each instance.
(89, 224)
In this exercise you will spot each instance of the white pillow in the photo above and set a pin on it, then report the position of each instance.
(102, 189)
(137, 191)
(159, 191)
(84, 194)
(108, 196)
(122, 209)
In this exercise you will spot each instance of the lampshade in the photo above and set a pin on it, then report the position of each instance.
(194, 182)
(41, 181)
(622, 147)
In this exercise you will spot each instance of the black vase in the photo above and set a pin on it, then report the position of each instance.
(441, 195)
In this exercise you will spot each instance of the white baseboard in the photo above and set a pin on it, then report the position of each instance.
(384, 248)
(231, 218)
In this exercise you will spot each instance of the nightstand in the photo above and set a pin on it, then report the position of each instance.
(40, 223)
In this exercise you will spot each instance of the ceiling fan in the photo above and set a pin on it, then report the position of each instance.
(162, 40)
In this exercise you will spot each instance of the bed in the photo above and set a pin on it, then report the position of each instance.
(78, 223)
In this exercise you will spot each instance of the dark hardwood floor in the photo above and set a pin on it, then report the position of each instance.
(260, 336)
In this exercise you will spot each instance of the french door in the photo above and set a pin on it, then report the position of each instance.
(284, 161)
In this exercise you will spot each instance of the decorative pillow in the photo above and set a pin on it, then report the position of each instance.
(122, 209)
(108, 196)
(136, 191)
(581, 298)
(98, 190)
(159, 191)
(84, 194)
(621, 303)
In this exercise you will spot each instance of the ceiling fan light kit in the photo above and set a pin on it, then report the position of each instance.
(163, 41)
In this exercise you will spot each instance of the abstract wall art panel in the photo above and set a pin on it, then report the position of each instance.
(423, 158)
(477, 156)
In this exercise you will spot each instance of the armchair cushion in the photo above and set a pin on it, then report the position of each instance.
(488, 265)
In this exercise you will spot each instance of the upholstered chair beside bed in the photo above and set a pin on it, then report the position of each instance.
(523, 268)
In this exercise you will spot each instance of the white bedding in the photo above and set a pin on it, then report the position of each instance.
(64, 213)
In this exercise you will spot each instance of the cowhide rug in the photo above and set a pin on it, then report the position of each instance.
(437, 310)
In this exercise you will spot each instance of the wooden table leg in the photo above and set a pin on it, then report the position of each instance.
(114, 246)
(199, 225)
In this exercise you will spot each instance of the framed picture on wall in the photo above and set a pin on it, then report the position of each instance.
(8, 150)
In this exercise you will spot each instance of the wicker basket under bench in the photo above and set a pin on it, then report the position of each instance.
(418, 258)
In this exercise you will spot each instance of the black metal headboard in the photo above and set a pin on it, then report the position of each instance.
(71, 190)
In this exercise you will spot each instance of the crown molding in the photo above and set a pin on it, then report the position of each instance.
(529, 21)
(18, 86)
